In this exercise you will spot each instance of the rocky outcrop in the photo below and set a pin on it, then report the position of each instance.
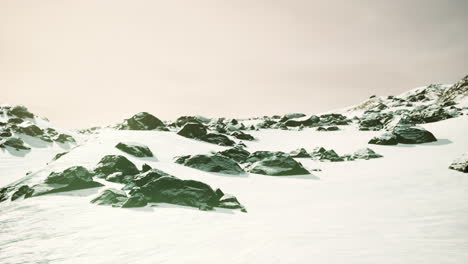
(135, 149)
(211, 163)
(237, 153)
(142, 121)
(218, 139)
(365, 153)
(299, 153)
(193, 130)
(111, 164)
(384, 139)
(112, 197)
(460, 164)
(20, 111)
(413, 135)
(323, 154)
(241, 135)
(274, 164)
(15, 143)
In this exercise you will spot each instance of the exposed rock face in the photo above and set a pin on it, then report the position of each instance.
(457, 91)
(112, 197)
(135, 149)
(365, 153)
(384, 139)
(23, 191)
(236, 153)
(374, 121)
(193, 130)
(325, 155)
(241, 135)
(115, 163)
(142, 121)
(413, 135)
(20, 111)
(460, 164)
(13, 142)
(274, 164)
(211, 163)
(299, 153)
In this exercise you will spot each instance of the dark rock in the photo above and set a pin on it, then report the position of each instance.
(145, 168)
(4, 193)
(218, 139)
(59, 155)
(236, 153)
(112, 197)
(230, 202)
(5, 132)
(181, 121)
(15, 120)
(142, 121)
(460, 164)
(115, 163)
(299, 153)
(325, 155)
(135, 149)
(384, 139)
(21, 111)
(63, 138)
(74, 178)
(334, 119)
(305, 122)
(13, 142)
(169, 189)
(136, 200)
(193, 130)
(150, 175)
(211, 163)
(274, 164)
(365, 153)
(291, 116)
(241, 135)
(413, 135)
(31, 130)
(23, 191)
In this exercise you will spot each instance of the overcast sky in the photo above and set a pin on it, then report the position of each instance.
(94, 62)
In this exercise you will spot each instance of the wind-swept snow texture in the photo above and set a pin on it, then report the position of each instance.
(406, 207)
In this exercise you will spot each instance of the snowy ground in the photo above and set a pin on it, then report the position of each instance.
(407, 207)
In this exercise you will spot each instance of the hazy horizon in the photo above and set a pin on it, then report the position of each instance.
(93, 63)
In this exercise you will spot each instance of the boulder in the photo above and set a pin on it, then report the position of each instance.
(135, 149)
(241, 135)
(193, 130)
(460, 164)
(274, 164)
(14, 142)
(15, 120)
(59, 155)
(230, 202)
(211, 163)
(303, 121)
(181, 121)
(21, 111)
(64, 138)
(334, 119)
(384, 139)
(236, 153)
(115, 163)
(73, 178)
(413, 135)
(218, 139)
(365, 153)
(169, 189)
(142, 121)
(325, 155)
(299, 153)
(112, 197)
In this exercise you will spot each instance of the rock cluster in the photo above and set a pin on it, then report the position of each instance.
(200, 132)
(142, 121)
(404, 134)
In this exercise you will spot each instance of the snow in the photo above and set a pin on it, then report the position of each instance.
(406, 207)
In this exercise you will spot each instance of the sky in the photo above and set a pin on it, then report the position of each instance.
(95, 62)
